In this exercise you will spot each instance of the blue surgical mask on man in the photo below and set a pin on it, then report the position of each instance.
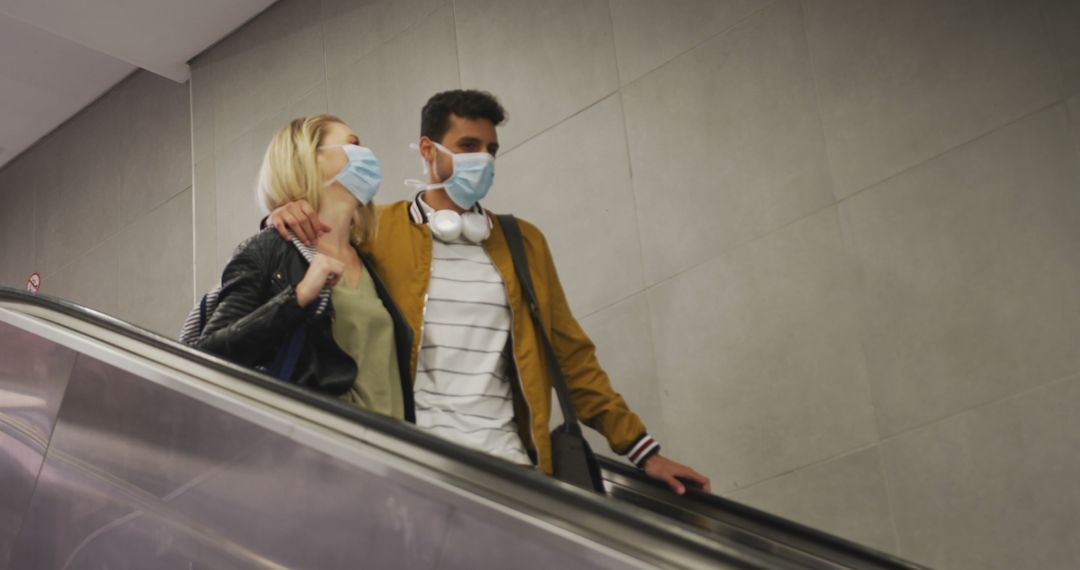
(474, 173)
(362, 175)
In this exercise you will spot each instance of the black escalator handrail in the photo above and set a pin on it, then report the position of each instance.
(552, 489)
(780, 529)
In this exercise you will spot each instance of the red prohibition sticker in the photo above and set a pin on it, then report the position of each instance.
(33, 283)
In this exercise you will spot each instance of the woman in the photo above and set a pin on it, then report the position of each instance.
(319, 318)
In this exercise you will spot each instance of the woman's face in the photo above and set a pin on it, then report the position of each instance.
(332, 160)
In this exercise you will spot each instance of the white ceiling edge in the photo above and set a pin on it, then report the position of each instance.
(45, 80)
(58, 56)
(160, 36)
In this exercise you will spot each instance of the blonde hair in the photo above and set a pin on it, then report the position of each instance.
(290, 172)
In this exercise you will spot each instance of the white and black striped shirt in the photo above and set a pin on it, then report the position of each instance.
(462, 388)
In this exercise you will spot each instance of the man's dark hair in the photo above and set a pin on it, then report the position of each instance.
(465, 103)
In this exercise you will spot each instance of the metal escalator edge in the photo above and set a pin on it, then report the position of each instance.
(716, 516)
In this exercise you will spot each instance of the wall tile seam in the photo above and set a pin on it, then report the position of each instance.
(615, 45)
(733, 247)
(630, 170)
(890, 500)
(731, 28)
(113, 261)
(879, 439)
(1060, 97)
(959, 146)
(1000, 400)
(325, 65)
(861, 447)
(505, 151)
(194, 232)
(619, 88)
(978, 137)
(812, 63)
(213, 61)
(404, 31)
(609, 305)
(648, 333)
(855, 303)
(261, 120)
(1074, 118)
(159, 203)
(633, 192)
(457, 44)
(850, 244)
(799, 468)
(1055, 54)
(209, 75)
(115, 233)
(890, 484)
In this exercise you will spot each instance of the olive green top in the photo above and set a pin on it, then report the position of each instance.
(364, 330)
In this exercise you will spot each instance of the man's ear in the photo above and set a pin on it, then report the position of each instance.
(427, 149)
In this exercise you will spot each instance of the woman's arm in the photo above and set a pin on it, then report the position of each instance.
(248, 320)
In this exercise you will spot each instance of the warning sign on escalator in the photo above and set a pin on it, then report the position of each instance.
(33, 283)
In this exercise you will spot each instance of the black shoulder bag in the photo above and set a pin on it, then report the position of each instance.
(571, 455)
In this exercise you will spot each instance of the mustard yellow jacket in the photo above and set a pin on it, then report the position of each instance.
(402, 254)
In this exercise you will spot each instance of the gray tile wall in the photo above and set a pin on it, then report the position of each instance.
(102, 209)
(828, 249)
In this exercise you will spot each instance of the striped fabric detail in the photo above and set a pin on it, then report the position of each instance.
(645, 448)
(462, 389)
(309, 254)
(200, 314)
(197, 317)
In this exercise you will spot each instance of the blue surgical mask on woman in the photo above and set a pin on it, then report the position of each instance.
(362, 175)
(474, 173)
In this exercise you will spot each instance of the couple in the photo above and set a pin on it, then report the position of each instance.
(413, 309)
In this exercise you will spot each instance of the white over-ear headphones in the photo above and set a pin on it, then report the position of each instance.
(448, 225)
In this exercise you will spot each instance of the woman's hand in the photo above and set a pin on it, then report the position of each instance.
(301, 218)
(323, 272)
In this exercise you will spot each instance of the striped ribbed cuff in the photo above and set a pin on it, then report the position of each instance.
(644, 448)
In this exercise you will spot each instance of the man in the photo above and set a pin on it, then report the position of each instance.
(478, 369)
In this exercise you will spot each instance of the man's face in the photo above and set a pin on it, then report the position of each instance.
(464, 135)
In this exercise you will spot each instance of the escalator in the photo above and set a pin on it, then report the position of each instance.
(123, 449)
(718, 517)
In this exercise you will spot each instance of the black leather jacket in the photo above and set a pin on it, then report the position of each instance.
(257, 313)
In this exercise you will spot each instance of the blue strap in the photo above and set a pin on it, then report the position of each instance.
(286, 362)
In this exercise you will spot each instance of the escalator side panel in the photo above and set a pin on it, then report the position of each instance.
(33, 375)
(139, 475)
(480, 543)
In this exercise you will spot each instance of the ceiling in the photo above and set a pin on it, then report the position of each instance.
(57, 56)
